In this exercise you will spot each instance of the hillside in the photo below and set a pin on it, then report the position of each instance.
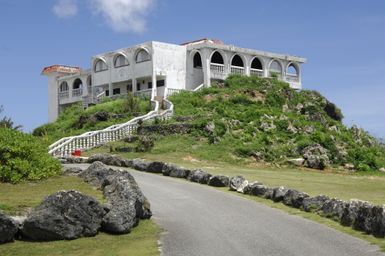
(265, 120)
(76, 120)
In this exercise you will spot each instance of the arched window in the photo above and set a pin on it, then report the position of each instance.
(120, 61)
(237, 61)
(78, 84)
(63, 87)
(142, 56)
(256, 64)
(292, 70)
(217, 58)
(197, 60)
(275, 69)
(100, 65)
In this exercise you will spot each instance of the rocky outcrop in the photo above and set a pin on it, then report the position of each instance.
(333, 208)
(64, 215)
(199, 176)
(255, 189)
(8, 229)
(219, 181)
(155, 167)
(175, 171)
(110, 160)
(316, 157)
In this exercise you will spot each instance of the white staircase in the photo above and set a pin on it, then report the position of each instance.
(66, 146)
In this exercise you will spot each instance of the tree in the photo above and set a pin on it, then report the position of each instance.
(6, 122)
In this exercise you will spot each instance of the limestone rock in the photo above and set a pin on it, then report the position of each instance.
(294, 198)
(219, 181)
(279, 193)
(64, 215)
(175, 171)
(236, 182)
(199, 176)
(8, 229)
(333, 209)
(296, 161)
(315, 157)
(257, 189)
(311, 204)
(155, 167)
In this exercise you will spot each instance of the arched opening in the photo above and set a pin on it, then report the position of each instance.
(120, 61)
(63, 87)
(237, 65)
(77, 88)
(275, 69)
(292, 73)
(100, 65)
(197, 61)
(142, 56)
(217, 58)
(256, 67)
(197, 71)
(237, 61)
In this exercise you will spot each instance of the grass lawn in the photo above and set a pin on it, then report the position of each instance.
(16, 199)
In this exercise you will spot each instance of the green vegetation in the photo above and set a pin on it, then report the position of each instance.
(75, 120)
(23, 157)
(142, 241)
(266, 120)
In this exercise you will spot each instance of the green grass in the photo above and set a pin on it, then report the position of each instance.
(142, 241)
(17, 199)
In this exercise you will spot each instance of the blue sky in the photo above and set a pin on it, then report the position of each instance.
(344, 42)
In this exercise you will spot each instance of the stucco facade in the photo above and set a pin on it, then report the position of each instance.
(153, 68)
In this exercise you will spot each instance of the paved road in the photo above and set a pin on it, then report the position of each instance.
(201, 221)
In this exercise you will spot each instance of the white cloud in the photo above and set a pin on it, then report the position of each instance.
(124, 15)
(65, 8)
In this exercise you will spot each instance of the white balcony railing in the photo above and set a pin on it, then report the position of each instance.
(217, 68)
(77, 92)
(143, 93)
(64, 95)
(256, 72)
(237, 70)
(292, 78)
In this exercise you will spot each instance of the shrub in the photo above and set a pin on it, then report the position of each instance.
(23, 157)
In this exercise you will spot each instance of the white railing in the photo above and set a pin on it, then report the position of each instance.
(143, 93)
(64, 95)
(77, 92)
(237, 70)
(217, 68)
(256, 72)
(88, 140)
(292, 78)
(172, 91)
(200, 87)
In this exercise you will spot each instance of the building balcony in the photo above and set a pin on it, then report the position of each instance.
(292, 78)
(77, 92)
(237, 70)
(256, 72)
(217, 71)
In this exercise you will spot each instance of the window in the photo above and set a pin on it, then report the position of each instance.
(237, 61)
(160, 83)
(129, 88)
(116, 91)
(256, 64)
(100, 65)
(142, 56)
(138, 86)
(275, 66)
(63, 87)
(149, 85)
(292, 70)
(107, 93)
(121, 61)
(78, 84)
(197, 60)
(217, 58)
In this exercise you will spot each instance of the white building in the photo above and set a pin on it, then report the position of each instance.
(154, 68)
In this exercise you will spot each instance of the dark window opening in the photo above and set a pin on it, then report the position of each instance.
(138, 86)
(149, 85)
(160, 83)
(197, 60)
(292, 70)
(217, 58)
(256, 64)
(116, 91)
(107, 93)
(129, 88)
(237, 61)
(77, 84)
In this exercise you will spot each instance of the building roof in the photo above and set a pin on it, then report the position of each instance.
(203, 40)
(60, 69)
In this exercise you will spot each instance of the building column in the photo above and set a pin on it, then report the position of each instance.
(154, 88)
(206, 68)
(134, 84)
